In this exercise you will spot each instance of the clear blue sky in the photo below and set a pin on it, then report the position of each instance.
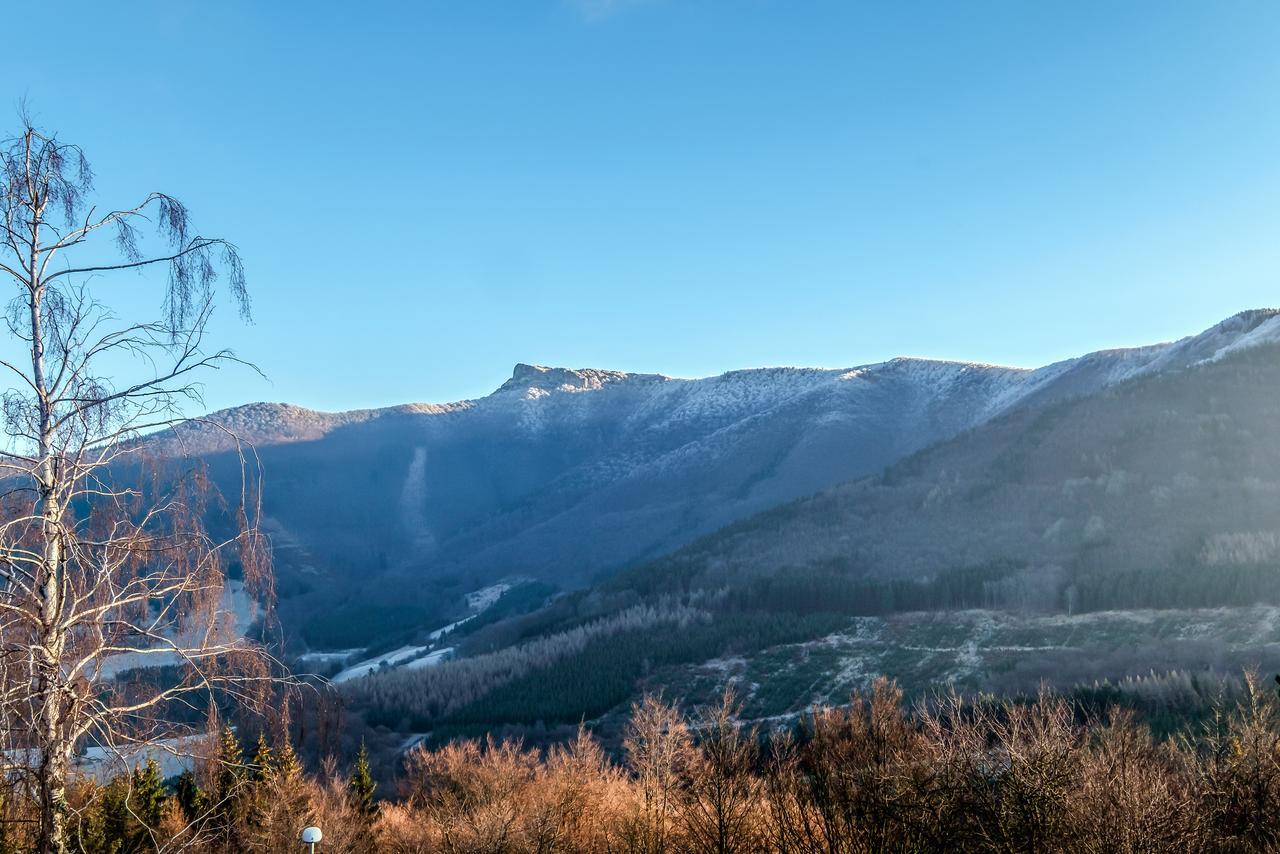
(428, 192)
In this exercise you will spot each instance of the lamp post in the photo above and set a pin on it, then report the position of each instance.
(310, 836)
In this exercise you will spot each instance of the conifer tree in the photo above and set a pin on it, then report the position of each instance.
(262, 777)
(361, 783)
(148, 797)
(263, 764)
(230, 764)
(228, 803)
(191, 798)
(123, 817)
(116, 821)
(287, 767)
(282, 801)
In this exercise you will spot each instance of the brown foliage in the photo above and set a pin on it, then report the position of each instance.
(868, 777)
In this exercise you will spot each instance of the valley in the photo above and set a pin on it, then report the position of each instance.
(549, 553)
(640, 427)
(1100, 527)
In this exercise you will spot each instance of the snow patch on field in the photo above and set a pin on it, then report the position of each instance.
(238, 609)
(414, 657)
(412, 742)
(480, 600)
(394, 658)
(329, 657)
(173, 755)
(431, 659)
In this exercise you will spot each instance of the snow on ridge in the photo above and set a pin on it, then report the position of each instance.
(541, 394)
(961, 364)
(1246, 329)
(1103, 368)
(278, 423)
(291, 416)
(727, 397)
(716, 402)
(1266, 332)
(535, 381)
(666, 402)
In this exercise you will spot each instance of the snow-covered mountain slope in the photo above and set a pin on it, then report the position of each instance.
(1157, 491)
(564, 474)
(262, 424)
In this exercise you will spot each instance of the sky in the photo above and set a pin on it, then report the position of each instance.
(425, 193)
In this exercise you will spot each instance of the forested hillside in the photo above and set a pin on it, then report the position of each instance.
(1158, 492)
(1102, 536)
(381, 519)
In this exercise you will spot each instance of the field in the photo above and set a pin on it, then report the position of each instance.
(989, 651)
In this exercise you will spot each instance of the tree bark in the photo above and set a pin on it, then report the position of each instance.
(51, 736)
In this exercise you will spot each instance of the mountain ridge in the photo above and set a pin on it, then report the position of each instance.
(290, 421)
(1157, 477)
(570, 475)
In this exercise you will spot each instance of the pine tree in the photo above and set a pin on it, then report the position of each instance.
(228, 803)
(230, 765)
(262, 776)
(191, 798)
(117, 824)
(288, 796)
(361, 783)
(148, 797)
(287, 767)
(263, 763)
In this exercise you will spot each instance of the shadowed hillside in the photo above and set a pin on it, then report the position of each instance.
(981, 561)
(567, 476)
(1160, 491)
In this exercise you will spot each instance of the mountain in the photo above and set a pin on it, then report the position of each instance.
(571, 475)
(1163, 489)
(1108, 525)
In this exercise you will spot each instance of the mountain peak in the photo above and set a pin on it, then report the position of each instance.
(537, 380)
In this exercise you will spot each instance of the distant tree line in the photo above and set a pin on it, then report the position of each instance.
(581, 666)
(418, 698)
(1179, 585)
(604, 673)
(826, 589)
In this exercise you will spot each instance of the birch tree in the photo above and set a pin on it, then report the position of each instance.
(109, 560)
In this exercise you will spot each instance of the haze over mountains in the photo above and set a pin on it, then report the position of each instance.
(570, 475)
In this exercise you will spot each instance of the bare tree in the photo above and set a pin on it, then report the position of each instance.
(659, 749)
(108, 561)
(723, 793)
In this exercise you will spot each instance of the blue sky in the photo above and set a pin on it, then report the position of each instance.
(426, 193)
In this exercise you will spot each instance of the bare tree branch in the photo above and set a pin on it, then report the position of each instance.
(108, 556)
